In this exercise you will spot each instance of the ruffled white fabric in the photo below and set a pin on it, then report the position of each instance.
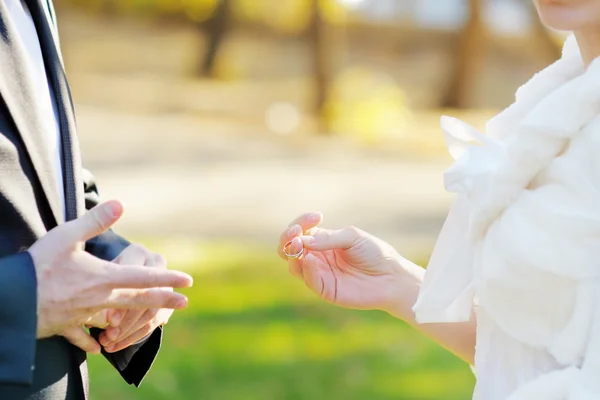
(522, 240)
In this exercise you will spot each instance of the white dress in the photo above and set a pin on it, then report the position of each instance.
(522, 241)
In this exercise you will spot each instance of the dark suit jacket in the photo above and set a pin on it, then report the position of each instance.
(49, 369)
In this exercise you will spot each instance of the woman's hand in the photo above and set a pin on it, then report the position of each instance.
(354, 269)
(350, 267)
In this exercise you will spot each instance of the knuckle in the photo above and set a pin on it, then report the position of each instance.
(145, 297)
(159, 260)
(96, 218)
(324, 236)
(139, 248)
(128, 298)
(353, 231)
(104, 275)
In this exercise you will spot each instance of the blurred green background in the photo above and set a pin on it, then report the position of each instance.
(253, 333)
(217, 122)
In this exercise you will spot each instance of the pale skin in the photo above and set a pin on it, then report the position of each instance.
(130, 326)
(76, 288)
(582, 17)
(353, 269)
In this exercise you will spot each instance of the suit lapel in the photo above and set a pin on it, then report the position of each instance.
(17, 92)
(71, 163)
(47, 11)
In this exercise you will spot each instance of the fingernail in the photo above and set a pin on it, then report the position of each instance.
(314, 216)
(183, 303)
(116, 208)
(184, 281)
(109, 348)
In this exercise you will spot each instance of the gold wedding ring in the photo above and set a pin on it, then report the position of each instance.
(286, 248)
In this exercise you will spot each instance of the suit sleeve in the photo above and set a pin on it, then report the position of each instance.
(18, 319)
(134, 362)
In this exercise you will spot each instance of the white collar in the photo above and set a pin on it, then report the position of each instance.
(549, 109)
(523, 139)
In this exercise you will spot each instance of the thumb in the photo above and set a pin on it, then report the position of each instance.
(93, 223)
(78, 337)
(325, 239)
(98, 320)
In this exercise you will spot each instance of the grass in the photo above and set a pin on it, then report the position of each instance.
(252, 332)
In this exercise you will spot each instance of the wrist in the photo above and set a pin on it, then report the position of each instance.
(404, 289)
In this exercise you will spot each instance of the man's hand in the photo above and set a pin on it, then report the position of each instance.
(74, 286)
(130, 326)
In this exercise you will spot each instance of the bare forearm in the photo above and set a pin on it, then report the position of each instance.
(459, 338)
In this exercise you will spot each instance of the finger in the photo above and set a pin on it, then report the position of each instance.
(113, 333)
(308, 220)
(147, 317)
(295, 248)
(134, 254)
(295, 264)
(312, 274)
(301, 224)
(98, 320)
(115, 316)
(133, 338)
(289, 234)
(93, 223)
(142, 277)
(325, 239)
(78, 337)
(156, 260)
(295, 268)
(145, 298)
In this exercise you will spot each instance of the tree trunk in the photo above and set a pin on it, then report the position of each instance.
(321, 54)
(215, 30)
(467, 60)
